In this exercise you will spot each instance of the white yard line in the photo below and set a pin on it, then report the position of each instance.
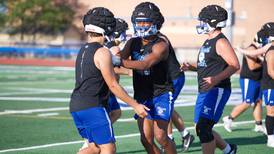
(48, 114)
(117, 137)
(44, 99)
(33, 110)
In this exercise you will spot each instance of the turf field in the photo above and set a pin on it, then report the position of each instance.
(35, 119)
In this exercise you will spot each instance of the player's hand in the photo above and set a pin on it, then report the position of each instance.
(185, 66)
(115, 56)
(115, 50)
(208, 83)
(141, 110)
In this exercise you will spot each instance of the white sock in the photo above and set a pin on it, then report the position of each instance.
(170, 136)
(184, 132)
(270, 137)
(227, 149)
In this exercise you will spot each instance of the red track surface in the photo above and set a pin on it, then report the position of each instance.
(37, 62)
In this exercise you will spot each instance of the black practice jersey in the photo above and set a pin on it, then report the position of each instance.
(154, 81)
(267, 82)
(173, 63)
(90, 89)
(250, 74)
(209, 63)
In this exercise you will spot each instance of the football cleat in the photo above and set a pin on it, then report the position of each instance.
(227, 124)
(187, 141)
(233, 149)
(260, 129)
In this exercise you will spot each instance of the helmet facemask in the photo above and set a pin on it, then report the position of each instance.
(205, 28)
(144, 30)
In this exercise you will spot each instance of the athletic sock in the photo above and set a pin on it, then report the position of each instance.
(227, 149)
(184, 133)
(230, 117)
(269, 124)
(258, 122)
(270, 137)
(170, 136)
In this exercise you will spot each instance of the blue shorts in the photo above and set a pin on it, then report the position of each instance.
(269, 97)
(112, 103)
(94, 124)
(251, 91)
(160, 107)
(178, 85)
(211, 104)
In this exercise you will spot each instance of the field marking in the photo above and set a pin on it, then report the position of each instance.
(47, 114)
(33, 110)
(117, 137)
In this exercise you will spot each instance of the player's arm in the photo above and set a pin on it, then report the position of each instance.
(223, 49)
(102, 59)
(125, 53)
(123, 71)
(270, 63)
(159, 52)
(252, 62)
(256, 52)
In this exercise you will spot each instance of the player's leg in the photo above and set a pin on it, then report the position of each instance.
(147, 136)
(250, 93)
(204, 132)
(145, 126)
(223, 145)
(257, 114)
(177, 120)
(269, 120)
(208, 110)
(115, 115)
(98, 129)
(108, 148)
(114, 109)
(169, 130)
(91, 148)
(187, 138)
(163, 108)
(160, 132)
(83, 132)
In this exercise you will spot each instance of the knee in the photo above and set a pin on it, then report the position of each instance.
(270, 110)
(204, 130)
(146, 141)
(162, 139)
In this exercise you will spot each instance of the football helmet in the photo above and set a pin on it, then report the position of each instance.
(211, 17)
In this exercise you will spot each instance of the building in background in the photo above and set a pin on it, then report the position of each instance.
(180, 21)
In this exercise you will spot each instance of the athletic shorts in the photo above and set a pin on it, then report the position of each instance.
(94, 124)
(251, 91)
(112, 103)
(161, 107)
(211, 104)
(269, 97)
(178, 85)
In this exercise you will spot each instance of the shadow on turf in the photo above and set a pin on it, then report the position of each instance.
(197, 146)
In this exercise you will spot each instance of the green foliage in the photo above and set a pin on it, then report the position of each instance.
(2, 13)
(38, 16)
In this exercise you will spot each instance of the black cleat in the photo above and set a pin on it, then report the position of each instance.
(187, 141)
(233, 149)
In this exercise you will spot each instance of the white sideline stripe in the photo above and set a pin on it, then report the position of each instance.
(117, 137)
(33, 110)
(35, 99)
(126, 120)
(47, 114)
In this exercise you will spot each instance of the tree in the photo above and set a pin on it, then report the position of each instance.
(38, 16)
(2, 13)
